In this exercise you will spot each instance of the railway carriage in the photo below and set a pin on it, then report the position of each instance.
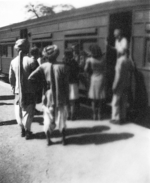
(93, 24)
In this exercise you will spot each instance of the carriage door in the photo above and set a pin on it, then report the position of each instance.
(122, 21)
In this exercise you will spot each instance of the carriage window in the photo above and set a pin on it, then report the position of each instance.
(9, 51)
(0, 50)
(148, 52)
(69, 43)
(4, 50)
(44, 44)
(24, 33)
(83, 43)
(41, 44)
(12, 50)
(38, 44)
(86, 43)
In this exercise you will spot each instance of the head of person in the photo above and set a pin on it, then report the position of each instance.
(68, 55)
(95, 51)
(76, 49)
(22, 45)
(117, 33)
(83, 56)
(35, 52)
(51, 52)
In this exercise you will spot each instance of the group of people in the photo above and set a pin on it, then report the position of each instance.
(57, 83)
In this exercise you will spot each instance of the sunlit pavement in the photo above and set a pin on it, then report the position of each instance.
(96, 151)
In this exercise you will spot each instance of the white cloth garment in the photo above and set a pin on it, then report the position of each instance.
(61, 117)
(73, 91)
(24, 117)
(121, 45)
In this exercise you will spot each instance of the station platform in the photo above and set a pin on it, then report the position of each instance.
(96, 151)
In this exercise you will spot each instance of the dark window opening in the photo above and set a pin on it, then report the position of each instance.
(0, 50)
(147, 52)
(12, 51)
(41, 45)
(24, 34)
(82, 43)
(122, 21)
(4, 51)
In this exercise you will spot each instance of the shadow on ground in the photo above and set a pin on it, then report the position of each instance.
(38, 120)
(10, 122)
(73, 131)
(85, 136)
(2, 103)
(7, 97)
(98, 138)
(86, 112)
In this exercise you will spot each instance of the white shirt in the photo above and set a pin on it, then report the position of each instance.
(121, 45)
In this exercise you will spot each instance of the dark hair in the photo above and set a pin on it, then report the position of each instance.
(68, 55)
(34, 51)
(84, 53)
(76, 48)
(95, 50)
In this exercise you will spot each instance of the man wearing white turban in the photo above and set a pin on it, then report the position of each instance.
(20, 68)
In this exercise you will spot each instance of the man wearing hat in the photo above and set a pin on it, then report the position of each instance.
(56, 91)
(20, 68)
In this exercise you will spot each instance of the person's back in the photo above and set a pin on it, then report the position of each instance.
(61, 83)
(73, 72)
(20, 69)
(28, 66)
(97, 66)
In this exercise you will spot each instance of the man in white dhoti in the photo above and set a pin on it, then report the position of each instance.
(20, 69)
(56, 91)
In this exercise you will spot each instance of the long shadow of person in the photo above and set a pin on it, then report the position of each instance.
(98, 138)
(3, 103)
(84, 136)
(38, 120)
(73, 131)
(6, 97)
(9, 122)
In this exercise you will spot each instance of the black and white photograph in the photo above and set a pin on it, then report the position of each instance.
(75, 91)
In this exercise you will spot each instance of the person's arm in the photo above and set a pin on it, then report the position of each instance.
(87, 67)
(36, 74)
(34, 64)
(12, 78)
(37, 78)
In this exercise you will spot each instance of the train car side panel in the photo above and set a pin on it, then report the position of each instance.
(83, 23)
(141, 51)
